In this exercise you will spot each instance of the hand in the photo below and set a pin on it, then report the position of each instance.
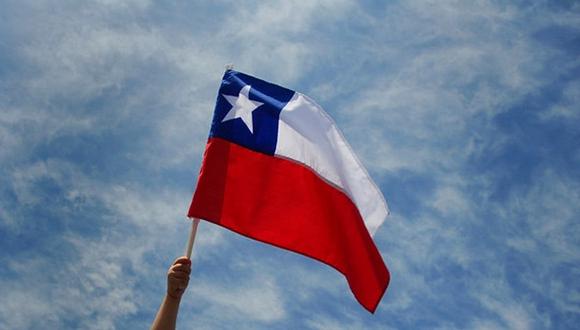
(178, 277)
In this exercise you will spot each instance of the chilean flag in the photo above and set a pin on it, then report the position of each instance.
(277, 169)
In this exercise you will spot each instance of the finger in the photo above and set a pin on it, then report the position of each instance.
(181, 268)
(182, 260)
(179, 275)
(185, 272)
(181, 271)
(181, 265)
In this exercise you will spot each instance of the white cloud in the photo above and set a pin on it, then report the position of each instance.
(258, 299)
(550, 209)
(322, 322)
(450, 200)
(125, 4)
(424, 108)
(567, 108)
(275, 38)
(513, 315)
(98, 285)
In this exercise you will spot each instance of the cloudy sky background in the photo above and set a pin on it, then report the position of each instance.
(466, 114)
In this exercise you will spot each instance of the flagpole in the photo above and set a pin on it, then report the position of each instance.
(191, 240)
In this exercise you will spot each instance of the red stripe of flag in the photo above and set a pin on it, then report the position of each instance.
(282, 203)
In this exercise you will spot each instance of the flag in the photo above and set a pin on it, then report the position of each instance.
(277, 169)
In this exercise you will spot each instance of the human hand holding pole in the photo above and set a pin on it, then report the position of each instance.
(177, 281)
(178, 277)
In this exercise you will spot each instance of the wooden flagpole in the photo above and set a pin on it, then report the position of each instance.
(194, 224)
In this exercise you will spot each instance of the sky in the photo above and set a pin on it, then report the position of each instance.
(465, 113)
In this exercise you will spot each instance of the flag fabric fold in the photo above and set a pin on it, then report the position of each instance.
(277, 169)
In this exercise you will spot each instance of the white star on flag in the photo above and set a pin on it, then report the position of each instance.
(242, 107)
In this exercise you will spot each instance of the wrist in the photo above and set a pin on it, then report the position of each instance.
(171, 297)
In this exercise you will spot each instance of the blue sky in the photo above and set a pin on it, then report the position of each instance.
(466, 114)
